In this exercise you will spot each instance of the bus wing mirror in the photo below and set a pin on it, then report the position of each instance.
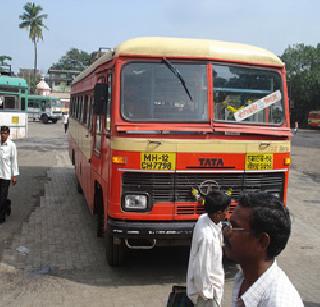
(100, 98)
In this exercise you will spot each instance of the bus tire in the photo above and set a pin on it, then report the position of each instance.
(45, 119)
(99, 213)
(73, 159)
(79, 189)
(115, 253)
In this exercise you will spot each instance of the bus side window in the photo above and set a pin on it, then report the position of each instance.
(90, 114)
(85, 110)
(10, 102)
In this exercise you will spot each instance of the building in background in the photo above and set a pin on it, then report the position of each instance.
(27, 74)
(60, 83)
(43, 88)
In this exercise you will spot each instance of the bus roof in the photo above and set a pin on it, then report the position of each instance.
(188, 48)
(197, 48)
(13, 81)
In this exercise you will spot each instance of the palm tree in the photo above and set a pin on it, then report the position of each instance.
(33, 22)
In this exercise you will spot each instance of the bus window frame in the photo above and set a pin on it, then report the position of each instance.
(245, 123)
(176, 61)
(16, 103)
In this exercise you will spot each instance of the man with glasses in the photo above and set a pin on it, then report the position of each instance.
(259, 230)
(8, 169)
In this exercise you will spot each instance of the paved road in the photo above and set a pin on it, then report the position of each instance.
(61, 262)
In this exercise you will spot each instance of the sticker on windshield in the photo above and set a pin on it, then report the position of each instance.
(257, 106)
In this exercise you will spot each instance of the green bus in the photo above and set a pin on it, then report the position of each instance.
(14, 94)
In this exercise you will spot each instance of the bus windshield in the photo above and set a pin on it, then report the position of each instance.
(164, 91)
(56, 103)
(247, 95)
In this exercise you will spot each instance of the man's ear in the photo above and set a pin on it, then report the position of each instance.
(264, 240)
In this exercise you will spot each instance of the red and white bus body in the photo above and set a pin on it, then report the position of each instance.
(137, 170)
(314, 119)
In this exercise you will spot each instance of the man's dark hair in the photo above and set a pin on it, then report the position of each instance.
(269, 216)
(216, 201)
(5, 128)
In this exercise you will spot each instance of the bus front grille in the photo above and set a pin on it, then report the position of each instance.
(176, 187)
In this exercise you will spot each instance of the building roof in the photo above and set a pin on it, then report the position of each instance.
(188, 48)
(13, 81)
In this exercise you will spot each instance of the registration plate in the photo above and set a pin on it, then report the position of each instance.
(259, 162)
(15, 120)
(160, 161)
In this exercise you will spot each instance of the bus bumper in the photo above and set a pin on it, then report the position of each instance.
(165, 233)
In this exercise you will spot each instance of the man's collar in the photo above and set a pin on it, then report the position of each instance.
(258, 288)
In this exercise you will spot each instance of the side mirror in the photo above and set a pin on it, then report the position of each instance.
(100, 98)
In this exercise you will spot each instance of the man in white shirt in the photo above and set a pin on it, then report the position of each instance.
(205, 279)
(259, 230)
(66, 122)
(8, 169)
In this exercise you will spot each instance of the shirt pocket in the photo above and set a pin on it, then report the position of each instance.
(5, 155)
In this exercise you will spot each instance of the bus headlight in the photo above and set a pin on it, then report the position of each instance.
(135, 202)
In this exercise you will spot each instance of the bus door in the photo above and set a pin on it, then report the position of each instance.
(96, 160)
(101, 129)
(107, 131)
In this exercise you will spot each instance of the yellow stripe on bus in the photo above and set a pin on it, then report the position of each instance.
(203, 146)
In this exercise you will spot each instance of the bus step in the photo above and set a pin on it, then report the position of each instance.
(147, 246)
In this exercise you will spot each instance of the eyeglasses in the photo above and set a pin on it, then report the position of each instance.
(228, 227)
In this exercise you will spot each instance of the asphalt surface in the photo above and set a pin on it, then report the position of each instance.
(50, 255)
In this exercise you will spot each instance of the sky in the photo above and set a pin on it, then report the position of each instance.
(88, 25)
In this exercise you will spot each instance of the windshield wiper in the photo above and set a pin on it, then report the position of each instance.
(178, 75)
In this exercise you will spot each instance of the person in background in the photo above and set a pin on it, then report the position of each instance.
(66, 122)
(8, 169)
(205, 279)
(259, 230)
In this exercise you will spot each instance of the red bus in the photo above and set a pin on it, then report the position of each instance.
(156, 117)
(314, 119)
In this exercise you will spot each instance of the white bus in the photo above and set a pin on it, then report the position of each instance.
(44, 108)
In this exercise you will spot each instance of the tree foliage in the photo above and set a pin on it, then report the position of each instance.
(74, 59)
(303, 76)
(33, 21)
(4, 59)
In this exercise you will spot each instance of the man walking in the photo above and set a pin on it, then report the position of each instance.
(66, 122)
(8, 169)
(205, 279)
(259, 230)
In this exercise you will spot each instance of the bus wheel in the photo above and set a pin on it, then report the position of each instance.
(45, 119)
(115, 252)
(79, 189)
(99, 214)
